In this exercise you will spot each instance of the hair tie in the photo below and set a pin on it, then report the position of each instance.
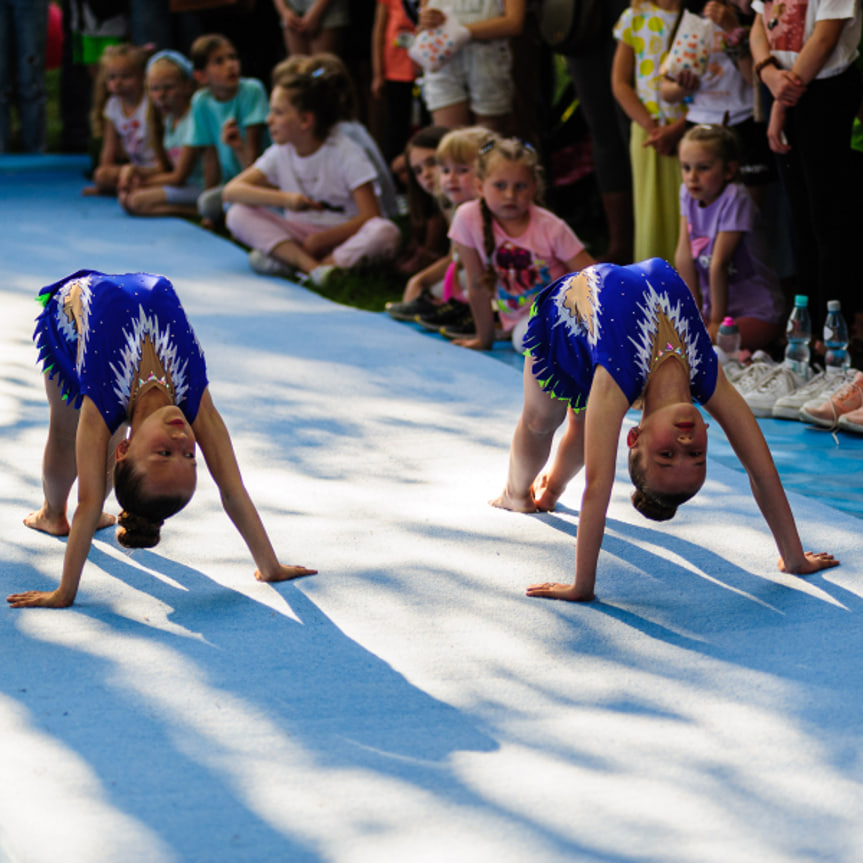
(184, 64)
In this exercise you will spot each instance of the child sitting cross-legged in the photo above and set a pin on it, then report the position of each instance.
(323, 182)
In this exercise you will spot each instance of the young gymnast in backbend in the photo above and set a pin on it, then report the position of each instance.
(596, 341)
(118, 353)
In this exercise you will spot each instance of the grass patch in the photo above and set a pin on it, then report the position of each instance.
(367, 287)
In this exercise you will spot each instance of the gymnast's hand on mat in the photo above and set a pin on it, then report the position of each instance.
(285, 573)
(39, 599)
(555, 590)
(812, 562)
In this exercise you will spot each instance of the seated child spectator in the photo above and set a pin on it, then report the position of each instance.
(119, 116)
(155, 191)
(323, 181)
(343, 85)
(456, 156)
(229, 116)
(510, 247)
(721, 250)
(427, 240)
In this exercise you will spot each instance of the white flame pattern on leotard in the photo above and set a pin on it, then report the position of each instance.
(130, 356)
(654, 301)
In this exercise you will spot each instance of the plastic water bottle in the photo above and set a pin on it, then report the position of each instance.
(798, 332)
(727, 340)
(836, 339)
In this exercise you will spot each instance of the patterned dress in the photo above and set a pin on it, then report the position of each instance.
(609, 316)
(92, 332)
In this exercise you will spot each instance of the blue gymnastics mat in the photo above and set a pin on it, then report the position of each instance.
(408, 702)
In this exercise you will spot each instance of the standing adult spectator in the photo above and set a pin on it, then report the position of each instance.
(590, 71)
(23, 36)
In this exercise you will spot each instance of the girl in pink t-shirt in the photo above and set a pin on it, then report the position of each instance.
(509, 246)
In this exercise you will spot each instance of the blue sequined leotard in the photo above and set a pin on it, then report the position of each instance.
(91, 333)
(613, 322)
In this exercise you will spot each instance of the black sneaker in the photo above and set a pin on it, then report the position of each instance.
(451, 312)
(460, 329)
(422, 305)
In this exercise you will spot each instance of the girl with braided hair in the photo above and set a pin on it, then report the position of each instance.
(119, 354)
(510, 247)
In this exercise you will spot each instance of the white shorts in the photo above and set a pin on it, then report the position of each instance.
(480, 74)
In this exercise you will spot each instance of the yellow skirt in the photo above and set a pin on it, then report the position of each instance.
(656, 199)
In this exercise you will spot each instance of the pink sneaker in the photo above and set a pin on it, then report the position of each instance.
(852, 422)
(848, 398)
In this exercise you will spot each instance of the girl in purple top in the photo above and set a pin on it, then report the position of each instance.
(721, 252)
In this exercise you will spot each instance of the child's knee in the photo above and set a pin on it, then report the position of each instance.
(378, 239)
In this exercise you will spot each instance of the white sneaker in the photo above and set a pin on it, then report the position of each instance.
(320, 274)
(759, 368)
(733, 369)
(778, 382)
(819, 386)
(267, 265)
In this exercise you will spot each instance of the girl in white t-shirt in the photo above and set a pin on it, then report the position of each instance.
(119, 117)
(321, 180)
(510, 247)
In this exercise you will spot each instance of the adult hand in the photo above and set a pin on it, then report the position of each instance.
(812, 562)
(664, 139)
(430, 18)
(785, 86)
(688, 80)
(776, 139)
(724, 15)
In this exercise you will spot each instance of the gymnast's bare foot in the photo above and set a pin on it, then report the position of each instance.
(58, 525)
(514, 504)
(543, 495)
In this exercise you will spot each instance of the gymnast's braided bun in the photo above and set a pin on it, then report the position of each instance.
(142, 515)
(651, 508)
(135, 531)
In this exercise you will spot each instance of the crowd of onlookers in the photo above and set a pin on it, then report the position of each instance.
(721, 140)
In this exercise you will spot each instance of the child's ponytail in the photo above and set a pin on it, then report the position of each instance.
(319, 85)
(489, 276)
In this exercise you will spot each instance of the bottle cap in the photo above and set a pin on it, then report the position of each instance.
(727, 322)
(801, 300)
(834, 306)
